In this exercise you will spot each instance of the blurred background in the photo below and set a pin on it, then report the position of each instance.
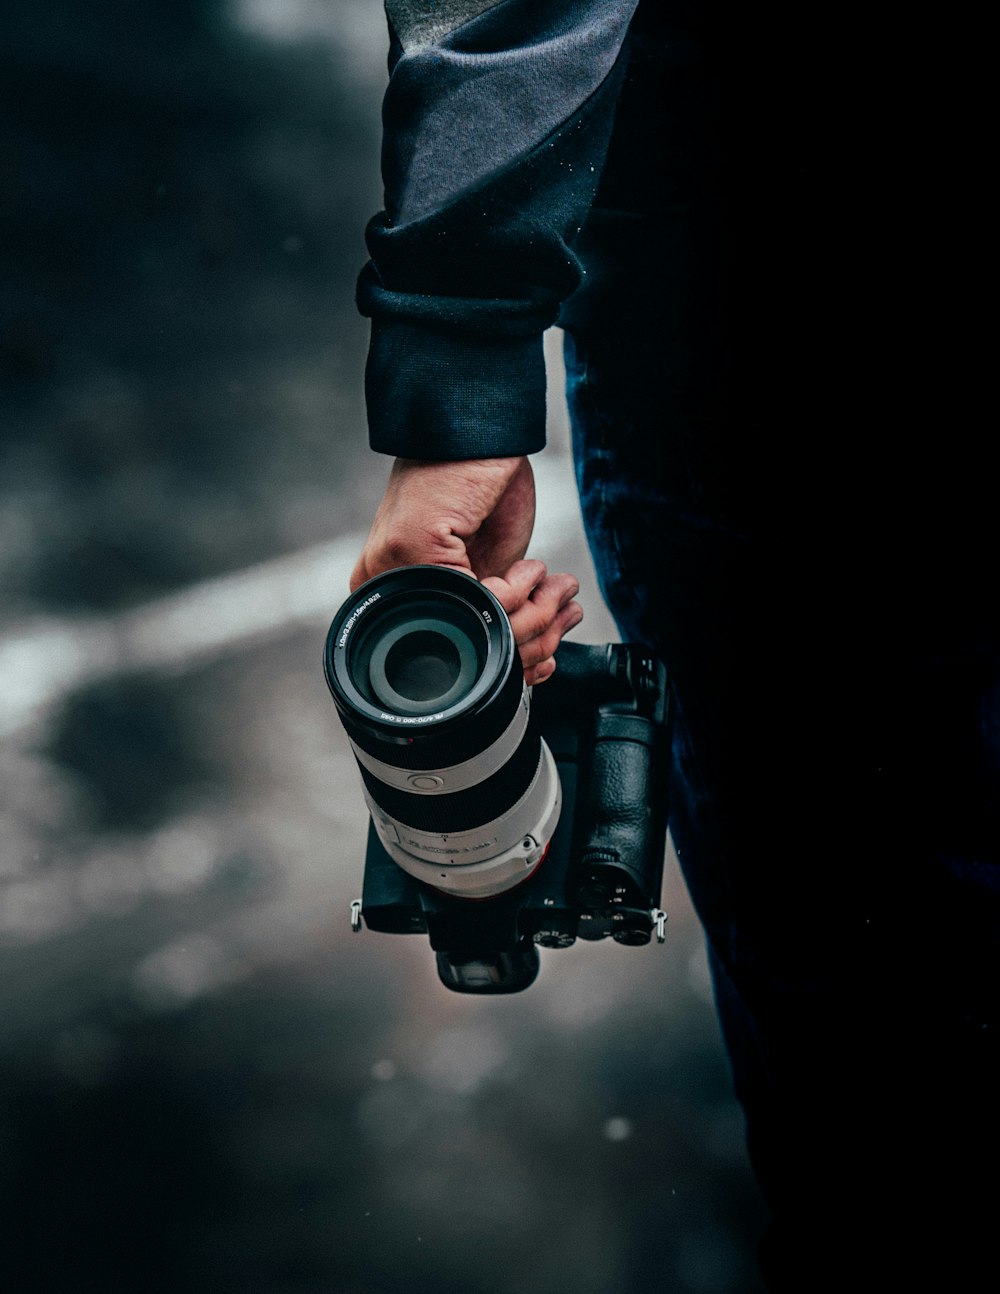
(207, 1082)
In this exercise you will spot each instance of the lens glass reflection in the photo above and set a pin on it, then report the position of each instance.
(418, 658)
(422, 666)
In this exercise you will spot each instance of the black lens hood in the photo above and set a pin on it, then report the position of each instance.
(458, 731)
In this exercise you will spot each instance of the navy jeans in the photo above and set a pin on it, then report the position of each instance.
(835, 807)
(776, 395)
(835, 812)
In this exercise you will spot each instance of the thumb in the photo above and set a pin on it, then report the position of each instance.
(407, 546)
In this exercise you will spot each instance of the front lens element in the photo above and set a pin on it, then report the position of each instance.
(422, 665)
(415, 656)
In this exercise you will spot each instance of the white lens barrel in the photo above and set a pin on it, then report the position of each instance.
(423, 666)
(487, 859)
(457, 777)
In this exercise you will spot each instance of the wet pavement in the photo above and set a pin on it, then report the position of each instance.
(207, 1082)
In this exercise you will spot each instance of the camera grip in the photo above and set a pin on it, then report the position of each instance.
(623, 831)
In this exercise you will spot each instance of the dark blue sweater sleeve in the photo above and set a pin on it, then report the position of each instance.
(496, 122)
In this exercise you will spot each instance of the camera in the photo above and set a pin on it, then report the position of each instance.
(502, 819)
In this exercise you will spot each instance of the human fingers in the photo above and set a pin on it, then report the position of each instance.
(539, 673)
(376, 561)
(400, 539)
(541, 610)
(503, 537)
(540, 649)
(513, 589)
(532, 597)
(475, 515)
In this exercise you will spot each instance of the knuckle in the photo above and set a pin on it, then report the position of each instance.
(536, 621)
(530, 655)
(541, 672)
(549, 641)
(396, 551)
(570, 615)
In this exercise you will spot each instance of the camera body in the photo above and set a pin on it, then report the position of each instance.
(605, 717)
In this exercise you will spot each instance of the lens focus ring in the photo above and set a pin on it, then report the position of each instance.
(449, 778)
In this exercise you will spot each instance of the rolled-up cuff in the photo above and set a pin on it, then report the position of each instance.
(436, 395)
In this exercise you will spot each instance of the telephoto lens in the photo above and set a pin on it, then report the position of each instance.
(462, 790)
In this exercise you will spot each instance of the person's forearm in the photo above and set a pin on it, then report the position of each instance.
(496, 124)
(495, 132)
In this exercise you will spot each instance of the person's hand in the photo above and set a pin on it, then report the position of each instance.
(476, 516)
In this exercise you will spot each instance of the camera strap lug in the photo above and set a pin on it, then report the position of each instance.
(356, 915)
(659, 920)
